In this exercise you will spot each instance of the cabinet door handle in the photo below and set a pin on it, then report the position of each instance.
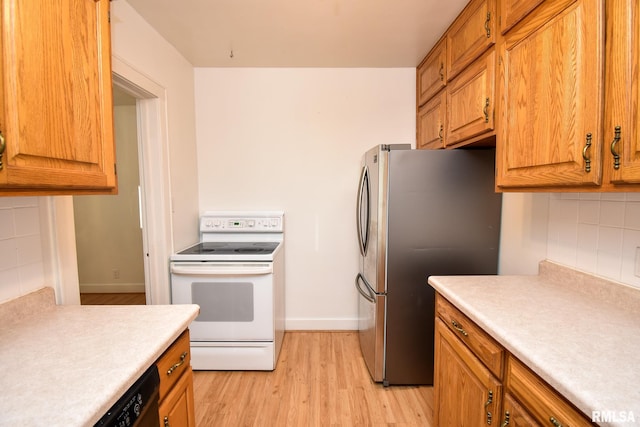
(442, 71)
(555, 422)
(440, 133)
(616, 156)
(587, 160)
(489, 399)
(458, 328)
(166, 422)
(183, 356)
(506, 419)
(3, 145)
(485, 110)
(486, 24)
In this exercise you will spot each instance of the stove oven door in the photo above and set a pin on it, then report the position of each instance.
(235, 299)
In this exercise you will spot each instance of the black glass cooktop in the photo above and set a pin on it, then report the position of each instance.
(230, 248)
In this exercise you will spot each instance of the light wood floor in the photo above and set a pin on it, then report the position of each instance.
(113, 299)
(320, 380)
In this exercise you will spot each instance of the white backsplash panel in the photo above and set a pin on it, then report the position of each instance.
(21, 258)
(596, 233)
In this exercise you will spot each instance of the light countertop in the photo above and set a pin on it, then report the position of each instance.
(578, 332)
(67, 365)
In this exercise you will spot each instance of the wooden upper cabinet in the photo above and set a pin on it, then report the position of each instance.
(551, 70)
(432, 73)
(431, 123)
(512, 11)
(472, 33)
(56, 110)
(471, 100)
(622, 93)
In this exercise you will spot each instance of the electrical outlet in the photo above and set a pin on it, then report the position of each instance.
(116, 274)
(637, 269)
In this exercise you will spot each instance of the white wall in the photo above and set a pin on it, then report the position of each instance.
(523, 232)
(292, 139)
(138, 45)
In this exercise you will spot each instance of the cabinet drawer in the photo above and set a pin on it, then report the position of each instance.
(541, 401)
(482, 345)
(175, 360)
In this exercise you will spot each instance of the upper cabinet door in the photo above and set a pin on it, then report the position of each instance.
(551, 69)
(56, 117)
(622, 122)
(472, 33)
(432, 73)
(471, 101)
(512, 11)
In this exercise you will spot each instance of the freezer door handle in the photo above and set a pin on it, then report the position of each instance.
(368, 294)
(363, 211)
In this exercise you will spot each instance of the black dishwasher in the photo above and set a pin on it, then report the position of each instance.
(138, 407)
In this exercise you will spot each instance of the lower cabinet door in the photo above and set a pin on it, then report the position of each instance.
(514, 415)
(466, 393)
(177, 408)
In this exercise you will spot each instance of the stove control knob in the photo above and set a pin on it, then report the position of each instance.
(251, 223)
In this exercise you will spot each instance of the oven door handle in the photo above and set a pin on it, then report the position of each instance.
(222, 269)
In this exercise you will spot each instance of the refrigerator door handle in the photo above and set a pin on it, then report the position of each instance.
(363, 232)
(368, 294)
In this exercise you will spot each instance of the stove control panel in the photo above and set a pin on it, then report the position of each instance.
(266, 223)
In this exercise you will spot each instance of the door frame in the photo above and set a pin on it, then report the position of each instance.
(151, 108)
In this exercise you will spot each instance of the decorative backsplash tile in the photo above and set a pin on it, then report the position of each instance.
(596, 233)
(21, 258)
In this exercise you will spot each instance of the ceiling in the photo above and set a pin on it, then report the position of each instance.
(300, 33)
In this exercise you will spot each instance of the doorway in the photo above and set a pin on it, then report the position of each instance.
(151, 106)
(108, 229)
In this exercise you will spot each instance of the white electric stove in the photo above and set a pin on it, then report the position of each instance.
(236, 275)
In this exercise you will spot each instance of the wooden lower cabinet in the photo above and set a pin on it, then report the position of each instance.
(515, 415)
(466, 393)
(177, 408)
(538, 399)
(176, 404)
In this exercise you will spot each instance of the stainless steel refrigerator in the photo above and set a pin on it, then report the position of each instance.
(420, 213)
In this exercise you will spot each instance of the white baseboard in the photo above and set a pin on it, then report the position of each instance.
(111, 288)
(302, 324)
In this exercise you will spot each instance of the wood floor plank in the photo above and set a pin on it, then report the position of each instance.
(112, 299)
(320, 380)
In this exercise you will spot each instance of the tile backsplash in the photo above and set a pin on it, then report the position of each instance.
(21, 257)
(597, 233)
